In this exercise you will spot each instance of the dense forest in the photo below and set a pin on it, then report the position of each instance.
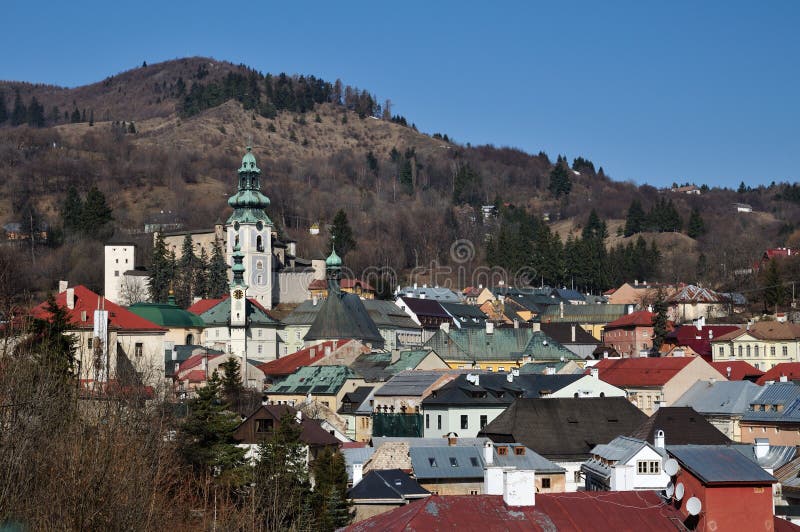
(168, 138)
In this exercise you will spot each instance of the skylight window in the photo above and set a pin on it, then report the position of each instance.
(453, 461)
(432, 462)
(474, 461)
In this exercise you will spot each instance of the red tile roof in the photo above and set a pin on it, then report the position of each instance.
(195, 375)
(87, 301)
(289, 364)
(700, 339)
(641, 371)
(790, 370)
(641, 318)
(582, 510)
(197, 360)
(348, 284)
(203, 305)
(739, 370)
(353, 444)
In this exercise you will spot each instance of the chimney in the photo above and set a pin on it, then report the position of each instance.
(476, 379)
(561, 309)
(573, 333)
(515, 372)
(636, 282)
(761, 447)
(489, 327)
(312, 353)
(784, 378)
(595, 373)
(550, 370)
(480, 287)
(711, 334)
(510, 377)
(536, 326)
(452, 440)
(314, 300)
(299, 416)
(204, 362)
(519, 488)
(516, 323)
(327, 350)
(488, 453)
(70, 298)
(659, 440)
(395, 355)
(415, 286)
(358, 473)
(445, 326)
(62, 286)
(630, 309)
(422, 295)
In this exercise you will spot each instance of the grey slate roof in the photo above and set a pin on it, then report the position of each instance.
(303, 314)
(681, 425)
(564, 428)
(719, 397)
(621, 449)
(777, 455)
(387, 315)
(777, 402)
(436, 293)
(409, 383)
(344, 316)
(494, 389)
(351, 401)
(466, 462)
(584, 313)
(387, 485)
(377, 441)
(219, 315)
(355, 455)
(562, 333)
(719, 464)
(465, 315)
(502, 344)
(425, 307)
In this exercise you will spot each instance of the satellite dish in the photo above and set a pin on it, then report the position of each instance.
(670, 491)
(671, 467)
(679, 489)
(693, 506)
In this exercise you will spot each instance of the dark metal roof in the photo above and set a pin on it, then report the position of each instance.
(564, 428)
(425, 307)
(681, 425)
(495, 389)
(343, 316)
(387, 485)
(562, 333)
(718, 464)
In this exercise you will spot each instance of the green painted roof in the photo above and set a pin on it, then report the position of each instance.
(333, 260)
(316, 380)
(166, 314)
(249, 203)
(220, 314)
(408, 360)
(502, 344)
(584, 313)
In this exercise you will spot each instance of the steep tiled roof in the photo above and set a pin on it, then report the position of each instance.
(766, 330)
(86, 302)
(202, 305)
(502, 344)
(642, 371)
(437, 293)
(465, 315)
(790, 370)
(288, 364)
(312, 432)
(583, 510)
(410, 383)
(641, 318)
(739, 370)
(692, 294)
(699, 339)
(564, 428)
(343, 316)
(681, 425)
(379, 366)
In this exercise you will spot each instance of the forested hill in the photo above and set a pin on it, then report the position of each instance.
(169, 136)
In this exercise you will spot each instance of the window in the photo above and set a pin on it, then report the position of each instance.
(259, 243)
(89, 342)
(740, 351)
(722, 351)
(439, 422)
(473, 492)
(519, 450)
(648, 467)
(259, 333)
(748, 351)
(502, 451)
(474, 460)
(772, 351)
(427, 421)
(785, 351)
(464, 422)
(755, 351)
(260, 348)
(501, 368)
(545, 483)
(453, 461)
(484, 420)
(263, 425)
(432, 462)
(138, 349)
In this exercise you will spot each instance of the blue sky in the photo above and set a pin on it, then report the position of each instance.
(654, 92)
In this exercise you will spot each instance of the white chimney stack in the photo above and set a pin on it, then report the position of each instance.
(488, 453)
(659, 440)
(516, 323)
(573, 333)
(784, 378)
(519, 488)
(510, 377)
(71, 298)
(62, 286)
(561, 309)
(445, 326)
(358, 473)
(312, 353)
(595, 373)
(515, 372)
(550, 370)
(299, 416)
(489, 327)
(395, 355)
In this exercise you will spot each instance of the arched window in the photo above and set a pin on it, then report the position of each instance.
(189, 339)
(259, 243)
(259, 264)
(748, 351)
(740, 350)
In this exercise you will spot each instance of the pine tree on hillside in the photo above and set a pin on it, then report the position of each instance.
(634, 222)
(217, 274)
(160, 277)
(3, 108)
(341, 235)
(334, 510)
(772, 282)
(696, 225)
(72, 211)
(232, 387)
(96, 215)
(560, 183)
(659, 322)
(75, 117)
(36, 113)
(185, 274)
(201, 274)
(19, 115)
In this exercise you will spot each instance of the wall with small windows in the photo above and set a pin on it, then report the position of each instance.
(762, 354)
(464, 421)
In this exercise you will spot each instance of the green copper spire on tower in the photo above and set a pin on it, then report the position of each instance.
(333, 265)
(249, 203)
(238, 267)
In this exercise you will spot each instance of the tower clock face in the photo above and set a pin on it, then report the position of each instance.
(238, 294)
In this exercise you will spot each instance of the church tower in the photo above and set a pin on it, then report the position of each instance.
(238, 319)
(250, 229)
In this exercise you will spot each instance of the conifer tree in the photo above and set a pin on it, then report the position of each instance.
(75, 117)
(232, 386)
(50, 344)
(3, 108)
(696, 225)
(772, 282)
(330, 491)
(341, 235)
(560, 183)
(201, 276)
(19, 115)
(634, 222)
(659, 322)
(72, 211)
(185, 273)
(217, 274)
(160, 277)
(96, 215)
(36, 113)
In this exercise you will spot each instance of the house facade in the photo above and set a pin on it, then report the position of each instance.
(625, 464)
(764, 344)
